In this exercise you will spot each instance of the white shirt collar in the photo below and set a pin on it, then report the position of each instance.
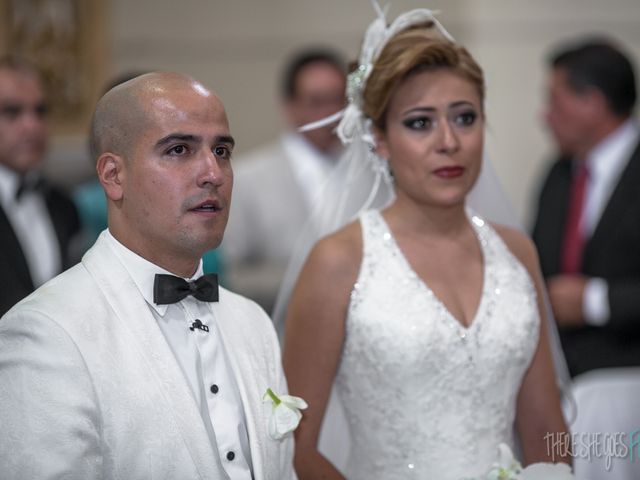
(142, 271)
(9, 183)
(612, 153)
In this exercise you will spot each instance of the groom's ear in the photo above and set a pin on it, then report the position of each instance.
(380, 138)
(110, 169)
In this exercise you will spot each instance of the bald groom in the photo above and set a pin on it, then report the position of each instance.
(132, 364)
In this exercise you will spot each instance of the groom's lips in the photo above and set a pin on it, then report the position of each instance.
(207, 208)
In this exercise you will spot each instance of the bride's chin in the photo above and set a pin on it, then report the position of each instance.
(450, 201)
(450, 198)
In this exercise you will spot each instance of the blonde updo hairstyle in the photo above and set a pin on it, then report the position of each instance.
(417, 49)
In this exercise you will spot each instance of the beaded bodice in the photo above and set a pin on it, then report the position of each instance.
(426, 397)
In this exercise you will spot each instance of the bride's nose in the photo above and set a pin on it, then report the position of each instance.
(448, 141)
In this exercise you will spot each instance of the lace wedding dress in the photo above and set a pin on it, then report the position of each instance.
(424, 396)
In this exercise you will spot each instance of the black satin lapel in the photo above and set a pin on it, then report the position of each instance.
(64, 219)
(621, 198)
(12, 251)
(553, 206)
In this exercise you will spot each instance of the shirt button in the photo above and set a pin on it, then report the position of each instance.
(214, 389)
(231, 456)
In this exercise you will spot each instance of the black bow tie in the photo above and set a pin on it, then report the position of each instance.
(29, 184)
(170, 289)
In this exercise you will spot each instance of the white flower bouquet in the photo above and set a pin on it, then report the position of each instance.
(508, 468)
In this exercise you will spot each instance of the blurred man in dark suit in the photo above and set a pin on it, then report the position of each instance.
(587, 227)
(37, 221)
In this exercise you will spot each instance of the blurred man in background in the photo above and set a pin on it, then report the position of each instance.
(38, 222)
(587, 228)
(275, 186)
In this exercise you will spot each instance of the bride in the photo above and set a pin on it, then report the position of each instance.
(428, 318)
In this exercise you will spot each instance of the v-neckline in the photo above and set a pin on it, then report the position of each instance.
(425, 286)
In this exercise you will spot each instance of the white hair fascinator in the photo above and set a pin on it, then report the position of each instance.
(353, 124)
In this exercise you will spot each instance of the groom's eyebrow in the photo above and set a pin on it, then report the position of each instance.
(190, 138)
(178, 137)
(228, 139)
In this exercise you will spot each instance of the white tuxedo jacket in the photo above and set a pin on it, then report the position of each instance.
(89, 388)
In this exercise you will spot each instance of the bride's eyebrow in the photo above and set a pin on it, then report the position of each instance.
(462, 103)
(419, 110)
(459, 103)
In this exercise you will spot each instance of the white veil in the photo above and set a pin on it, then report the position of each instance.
(361, 180)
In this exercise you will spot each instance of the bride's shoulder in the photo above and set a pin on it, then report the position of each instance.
(329, 273)
(340, 251)
(520, 245)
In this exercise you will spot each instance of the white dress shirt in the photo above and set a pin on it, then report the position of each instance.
(30, 220)
(203, 360)
(310, 166)
(605, 163)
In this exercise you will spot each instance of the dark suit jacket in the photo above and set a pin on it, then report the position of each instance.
(15, 279)
(612, 253)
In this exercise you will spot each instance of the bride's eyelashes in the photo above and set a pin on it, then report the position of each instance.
(419, 123)
(465, 118)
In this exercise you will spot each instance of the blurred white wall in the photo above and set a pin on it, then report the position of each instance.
(238, 47)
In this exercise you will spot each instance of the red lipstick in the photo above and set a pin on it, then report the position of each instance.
(449, 172)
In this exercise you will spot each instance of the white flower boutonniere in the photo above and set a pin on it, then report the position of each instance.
(508, 468)
(285, 415)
